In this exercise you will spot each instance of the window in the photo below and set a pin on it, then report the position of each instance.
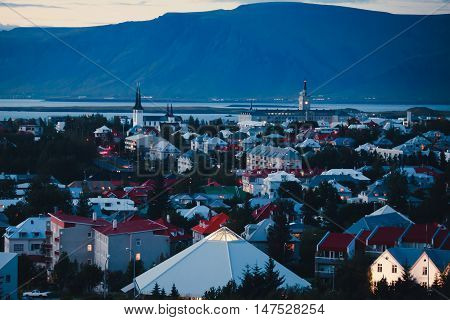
(18, 247)
(394, 268)
(89, 261)
(138, 256)
(341, 255)
(424, 284)
(89, 234)
(331, 254)
(35, 246)
(89, 247)
(380, 267)
(424, 271)
(138, 242)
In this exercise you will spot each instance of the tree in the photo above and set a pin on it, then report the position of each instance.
(239, 217)
(84, 209)
(382, 290)
(64, 271)
(406, 288)
(272, 280)
(174, 294)
(138, 268)
(156, 292)
(90, 275)
(397, 190)
(158, 199)
(7, 189)
(278, 237)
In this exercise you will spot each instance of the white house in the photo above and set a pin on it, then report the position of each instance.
(102, 132)
(28, 236)
(272, 183)
(347, 172)
(113, 204)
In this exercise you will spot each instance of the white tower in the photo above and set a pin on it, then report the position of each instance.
(303, 99)
(138, 111)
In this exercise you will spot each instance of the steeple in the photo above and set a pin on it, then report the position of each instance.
(304, 87)
(303, 99)
(137, 103)
(171, 110)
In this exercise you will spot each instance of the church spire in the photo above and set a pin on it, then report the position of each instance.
(304, 86)
(171, 110)
(137, 103)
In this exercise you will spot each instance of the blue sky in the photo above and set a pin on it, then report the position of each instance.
(98, 12)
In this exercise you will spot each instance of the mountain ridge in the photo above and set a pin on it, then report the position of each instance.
(259, 51)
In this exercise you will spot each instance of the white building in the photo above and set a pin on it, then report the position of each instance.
(28, 236)
(272, 183)
(268, 157)
(102, 132)
(347, 172)
(111, 205)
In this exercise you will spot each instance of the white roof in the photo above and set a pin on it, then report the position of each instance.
(220, 257)
(114, 204)
(33, 227)
(280, 176)
(102, 129)
(202, 211)
(348, 172)
(311, 143)
(366, 147)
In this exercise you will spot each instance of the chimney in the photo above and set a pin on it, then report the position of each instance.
(94, 216)
(114, 224)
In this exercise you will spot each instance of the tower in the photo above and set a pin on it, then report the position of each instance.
(303, 99)
(138, 111)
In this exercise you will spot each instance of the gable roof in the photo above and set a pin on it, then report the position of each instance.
(421, 233)
(264, 212)
(209, 226)
(440, 258)
(405, 256)
(333, 241)
(388, 236)
(213, 261)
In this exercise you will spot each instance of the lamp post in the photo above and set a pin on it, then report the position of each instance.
(104, 276)
(131, 251)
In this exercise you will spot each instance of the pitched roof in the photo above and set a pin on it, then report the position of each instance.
(388, 236)
(420, 233)
(264, 212)
(68, 218)
(6, 257)
(131, 226)
(405, 256)
(209, 226)
(440, 258)
(211, 262)
(334, 241)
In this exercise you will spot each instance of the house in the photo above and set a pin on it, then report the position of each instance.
(212, 262)
(112, 205)
(199, 210)
(425, 265)
(206, 227)
(268, 157)
(178, 237)
(34, 129)
(223, 192)
(93, 187)
(273, 181)
(424, 235)
(383, 238)
(161, 150)
(376, 192)
(343, 142)
(367, 147)
(9, 269)
(332, 250)
(343, 192)
(347, 172)
(249, 143)
(213, 144)
(73, 235)
(138, 235)
(193, 159)
(252, 181)
(264, 212)
(257, 234)
(309, 143)
(383, 217)
(102, 132)
(138, 142)
(28, 237)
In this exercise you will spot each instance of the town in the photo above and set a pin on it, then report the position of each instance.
(278, 204)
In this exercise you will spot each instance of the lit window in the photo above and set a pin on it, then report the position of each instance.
(394, 268)
(89, 247)
(138, 256)
(380, 267)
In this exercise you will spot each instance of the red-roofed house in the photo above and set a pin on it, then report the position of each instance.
(73, 235)
(139, 235)
(179, 239)
(264, 212)
(423, 235)
(206, 227)
(383, 238)
(331, 251)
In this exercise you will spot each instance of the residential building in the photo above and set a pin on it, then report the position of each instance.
(206, 227)
(273, 181)
(9, 269)
(102, 132)
(383, 238)
(28, 237)
(347, 172)
(111, 205)
(179, 238)
(268, 157)
(138, 235)
(73, 235)
(193, 159)
(252, 181)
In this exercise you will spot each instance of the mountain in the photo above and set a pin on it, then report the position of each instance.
(261, 51)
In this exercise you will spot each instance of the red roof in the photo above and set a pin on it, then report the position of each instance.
(336, 242)
(420, 233)
(440, 237)
(388, 236)
(131, 226)
(68, 218)
(264, 212)
(207, 227)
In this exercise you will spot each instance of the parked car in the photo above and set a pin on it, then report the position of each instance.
(36, 294)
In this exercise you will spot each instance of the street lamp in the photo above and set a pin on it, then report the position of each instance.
(104, 276)
(131, 251)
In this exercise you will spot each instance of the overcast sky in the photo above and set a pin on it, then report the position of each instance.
(98, 12)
